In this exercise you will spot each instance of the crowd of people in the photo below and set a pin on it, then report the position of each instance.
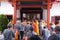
(32, 30)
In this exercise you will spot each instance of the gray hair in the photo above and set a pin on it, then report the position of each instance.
(57, 28)
(18, 21)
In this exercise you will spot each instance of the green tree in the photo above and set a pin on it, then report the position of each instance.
(3, 22)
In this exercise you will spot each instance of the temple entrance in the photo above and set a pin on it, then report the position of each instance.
(31, 13)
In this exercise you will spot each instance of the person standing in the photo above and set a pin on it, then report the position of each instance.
(8, 33)
(34, 25)
(27, 28)
(17, 30)
(37, 27)
(46, 33)
(22, 29)
(56, 35)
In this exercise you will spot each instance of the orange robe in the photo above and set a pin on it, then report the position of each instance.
(25, 23)
(16, 35)
(34, 26)
(37, 28)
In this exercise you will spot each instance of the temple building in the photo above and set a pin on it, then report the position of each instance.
(41, 9)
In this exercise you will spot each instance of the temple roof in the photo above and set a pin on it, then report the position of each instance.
(27, 3)
(29, 0)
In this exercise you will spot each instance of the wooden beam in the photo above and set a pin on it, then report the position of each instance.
(48, 13)
(31, 6)
(31, 0)
(14, 16)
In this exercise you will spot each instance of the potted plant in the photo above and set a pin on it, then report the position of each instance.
(3, 22)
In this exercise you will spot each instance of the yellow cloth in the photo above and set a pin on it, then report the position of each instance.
(16, 35)
(37, 28)
(12, 22)
(25, 23)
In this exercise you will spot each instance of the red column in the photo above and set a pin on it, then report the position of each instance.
(14, 15)
(48, 13)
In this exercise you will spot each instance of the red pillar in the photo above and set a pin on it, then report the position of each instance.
(14, 15)
(48, 13)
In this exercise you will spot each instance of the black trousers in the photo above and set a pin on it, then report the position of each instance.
(19, 37)
(22, 34)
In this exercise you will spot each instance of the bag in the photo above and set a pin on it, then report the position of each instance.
(35, 37)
